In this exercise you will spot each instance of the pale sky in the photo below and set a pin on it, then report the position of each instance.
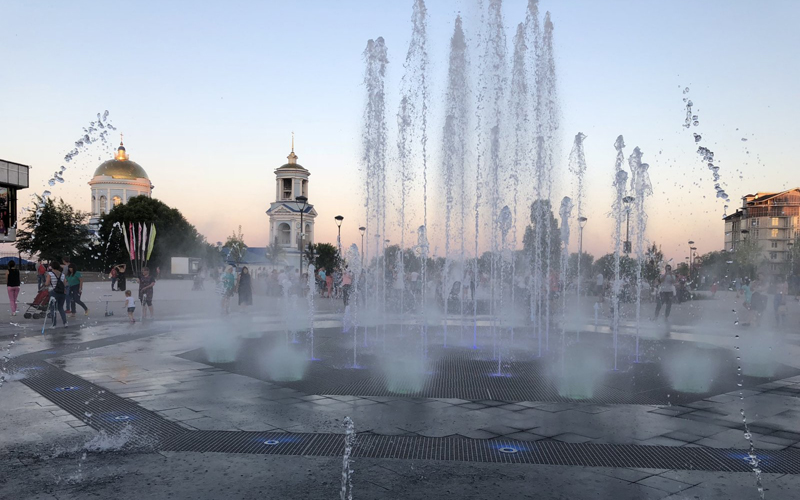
(208, 93)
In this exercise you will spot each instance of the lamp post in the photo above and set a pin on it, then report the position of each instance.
(581, 222)
(362, 230)
(627, 201)
(339, 220)
(302, 201)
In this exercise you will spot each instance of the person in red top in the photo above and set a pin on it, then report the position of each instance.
(40, 273)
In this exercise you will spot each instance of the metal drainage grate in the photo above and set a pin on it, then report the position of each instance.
(471, 374)
(456, 448)
(97, 407)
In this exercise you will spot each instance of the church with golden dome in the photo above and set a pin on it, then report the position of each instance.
(115, 182)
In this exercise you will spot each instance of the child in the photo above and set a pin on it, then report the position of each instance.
(130, 303)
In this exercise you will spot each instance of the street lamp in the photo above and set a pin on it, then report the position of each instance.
(581, 222)
(362, 230)
(627, 201)
(302, 201)
(339, 220)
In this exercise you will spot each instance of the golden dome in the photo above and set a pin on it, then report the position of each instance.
(121, 167)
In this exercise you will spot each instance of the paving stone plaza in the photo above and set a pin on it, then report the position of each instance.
(193, 403)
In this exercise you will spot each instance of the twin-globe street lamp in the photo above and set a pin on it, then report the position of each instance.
(362, 230)
(581, 222)
(302, 201)
(339, 220)
(627, 201)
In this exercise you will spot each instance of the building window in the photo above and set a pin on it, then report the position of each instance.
(116, 200)
(754, 223)
(773, 255)
(284, 233)
(774, 233)
(103, 205)
(774, 221)
(287, 189)
(773, 244)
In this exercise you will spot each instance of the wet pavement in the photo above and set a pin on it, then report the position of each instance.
(174, 369)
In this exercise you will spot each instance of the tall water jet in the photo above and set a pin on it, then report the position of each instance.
(577, 165)
(353, 308)
(519, 108)
(546, 88)
(411, 127)
(310, 297)
(374, 139)
(620, 186)
(504, 225)
(454, 150)
(495, 59)
(641, 187)
(346, 492)
(565, 212)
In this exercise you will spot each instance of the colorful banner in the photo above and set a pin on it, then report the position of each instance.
(152, 240)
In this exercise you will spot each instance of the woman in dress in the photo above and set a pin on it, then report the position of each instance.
(245, 288)
(12, 284)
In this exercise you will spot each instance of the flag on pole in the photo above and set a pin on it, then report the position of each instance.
(152, 240)
(144, 245)
(125, 238)
(139, 254)
(133, 241)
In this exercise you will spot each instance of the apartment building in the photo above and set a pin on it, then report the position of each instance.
(772, 219)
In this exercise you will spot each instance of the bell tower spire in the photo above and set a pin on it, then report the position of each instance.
(292, 157)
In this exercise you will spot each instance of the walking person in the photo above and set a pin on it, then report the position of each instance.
(666, 291)
(228, 281)
(347, 281)
(130, 304)
(58, 291)
(146, 284)
(41, 271)
(244, 287)
(12, 284)
(65, 267)
(113, 275)
(75, 290)
(329, 284)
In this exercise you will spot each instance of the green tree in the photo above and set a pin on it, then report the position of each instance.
(586, 267)
(653, 258)
(274, 252)
(59, 231)
(175, 236)
(236, 246)
(327, 256)
(542, 213)
(747, 257)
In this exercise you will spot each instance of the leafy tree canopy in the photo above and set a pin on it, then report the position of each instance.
(236, 246)
(59, 231)
(175, 236)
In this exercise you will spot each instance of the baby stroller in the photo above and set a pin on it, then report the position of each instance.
(38, 308)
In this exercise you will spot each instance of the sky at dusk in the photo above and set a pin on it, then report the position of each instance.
(208, 94)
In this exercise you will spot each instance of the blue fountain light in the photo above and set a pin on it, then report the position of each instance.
(67, 388)
(507, 449)
(276, 440)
